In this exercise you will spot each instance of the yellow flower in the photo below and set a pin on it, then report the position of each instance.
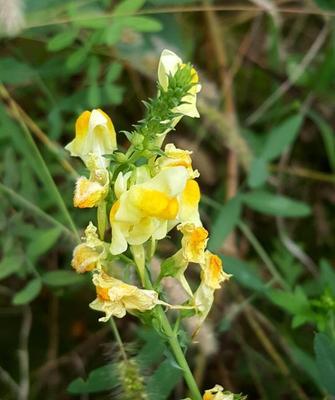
(189, 203)
(89, 255)
(115, 297)
(175, 157)
(90, 192)
(147, 209)
(168, 65)
(212, 276)
(193, 250)
(193, 242)
(95, 134)
(217, 393)
(212, 272)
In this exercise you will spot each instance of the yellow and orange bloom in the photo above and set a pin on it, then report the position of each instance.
(189, 203)
(193, 242)
(95, 134)
(175, 157)
(88, 255)
(212, 275)
(148, 209)
(90, 192)
(116, 298)
(217, 393)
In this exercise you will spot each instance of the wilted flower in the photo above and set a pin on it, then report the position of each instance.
(88, 255)
(90, 192)
(217, 393)
(95, 134)
(212, 275)
(193, 242)
(115, 297)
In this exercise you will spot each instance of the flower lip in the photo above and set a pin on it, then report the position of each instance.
(95, 134)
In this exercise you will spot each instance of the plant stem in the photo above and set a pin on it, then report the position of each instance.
(179, 355)
(118, 338)
(176, 349)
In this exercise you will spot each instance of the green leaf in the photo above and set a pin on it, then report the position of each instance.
(294, 302)
(112, 33)
(76, 59)
(258, 173)
(128, 7)
(15, 72)
(28, 293)
(325, 4)
(324, 349)
(62, 278)
(100, 379)
(113, 73)
(327, 275)
(224, 222)
(281, 137)
(245, 273)
(62, 40)
(144, 24)
(328, 136)
(305, 362)
(9, 265)
(153, 349)
(43, 241)
(114, 93)
(96, 20)
(94, 95)
(163, 381)
(272, 204)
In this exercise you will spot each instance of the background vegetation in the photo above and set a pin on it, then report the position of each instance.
(265, 148)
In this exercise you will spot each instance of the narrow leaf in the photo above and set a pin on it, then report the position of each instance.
(62, 40)
(143, 24)
(62, 278)
(324, 349)
(258, 173)
(28, 293)
(43, 241)
(163, 381)
(281, 137)
(224, 223)
(127, 7)
(9, 265)
(272, 204)
(245, 273)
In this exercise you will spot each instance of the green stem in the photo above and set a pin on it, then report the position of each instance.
(179, 355)
(176, 349)
(118, 338)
